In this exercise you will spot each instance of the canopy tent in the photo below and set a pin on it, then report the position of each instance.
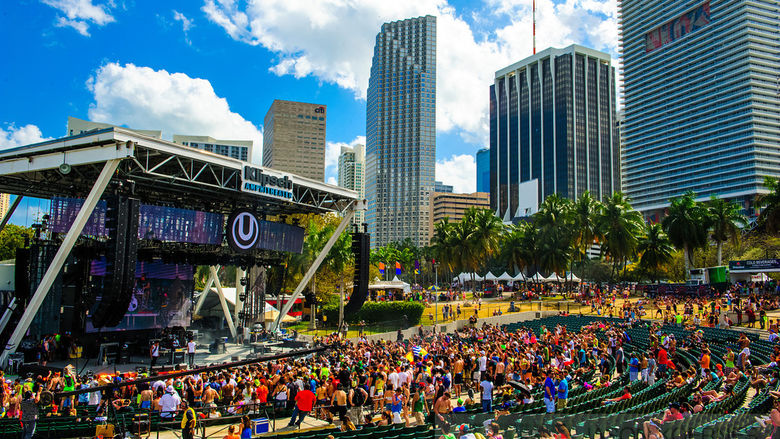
(537, 277)
(467, 277)
(270, 313)
(520, 277)
(490, 276)
(571, 277)
(554, 278)
(505, 277)
(394, 284)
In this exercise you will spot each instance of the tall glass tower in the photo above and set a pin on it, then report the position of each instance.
(401, 131)
(702, 99)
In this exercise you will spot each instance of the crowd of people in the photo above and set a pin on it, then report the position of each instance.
(428, 378)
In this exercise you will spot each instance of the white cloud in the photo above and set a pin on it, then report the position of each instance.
(332, 180)
(186, 24)
(333, 41)
(332, 153)
(12, 136)
(79, 14)
(175, 103)
(459, 171)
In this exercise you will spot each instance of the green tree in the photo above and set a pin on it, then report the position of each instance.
(585, 223)
(11, 238)
(554, 221)
(687, 224)
(621, 226)
(726, 219)
(769, 219)
(655, 249)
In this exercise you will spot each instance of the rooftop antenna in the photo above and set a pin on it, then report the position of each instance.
(534, 30)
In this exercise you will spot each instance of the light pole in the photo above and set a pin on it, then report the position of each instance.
(436, 293)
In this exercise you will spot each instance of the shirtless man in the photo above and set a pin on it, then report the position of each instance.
(442, 408)
(457, 369)
(339, 402)
(146, 398)
(209, 395)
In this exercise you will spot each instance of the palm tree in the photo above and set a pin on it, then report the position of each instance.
(726, 218)
(687, 224)
(584, 217)
(655, 250)
(769, 218)
(621, 226)
(486, 233)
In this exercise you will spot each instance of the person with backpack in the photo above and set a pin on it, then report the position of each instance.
(357, 398)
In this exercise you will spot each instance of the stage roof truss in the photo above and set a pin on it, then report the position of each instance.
(161, 172)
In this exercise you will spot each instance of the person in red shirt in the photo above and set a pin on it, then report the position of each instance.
(304, 403)
(652, 428)
(261, 393)
(626, 395)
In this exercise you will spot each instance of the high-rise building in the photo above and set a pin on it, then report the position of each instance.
(401, 131)
(5, 204)
(237, 149)
(294, 138)
(552, 119)
(483, 170)
(352, 171)
(453, 206)
(439, 186)
(702, 108)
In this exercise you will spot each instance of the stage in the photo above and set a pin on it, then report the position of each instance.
(125, 197)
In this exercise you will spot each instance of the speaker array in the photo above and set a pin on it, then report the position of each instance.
(361, 248)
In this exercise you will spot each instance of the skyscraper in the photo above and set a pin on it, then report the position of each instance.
(401, 131)
(439, 186)
(237, 149)
(483, 170)
(702, 109)
(552, 119)
(294, 138)
(352, 171)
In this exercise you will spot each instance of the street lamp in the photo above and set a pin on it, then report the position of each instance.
(436, 293)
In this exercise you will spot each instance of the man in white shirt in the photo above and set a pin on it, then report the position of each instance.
(482, 365)
(191, 353)
(393, 378)
(169, 403)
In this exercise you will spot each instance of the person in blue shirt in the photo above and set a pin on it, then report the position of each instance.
(633, 368)
(563, 391)
(550, 393)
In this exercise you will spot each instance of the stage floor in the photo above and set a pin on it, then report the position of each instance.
(202, 358)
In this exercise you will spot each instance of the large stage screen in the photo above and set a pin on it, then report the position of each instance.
(162, 296)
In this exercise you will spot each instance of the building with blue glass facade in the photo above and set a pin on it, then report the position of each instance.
(483, 170)
(401, 131)
(702, 106)
(553, 120)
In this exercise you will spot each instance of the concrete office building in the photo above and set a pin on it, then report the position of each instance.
(5, 204)
(553, 119)
(294, 138)
(401, 131)
(702, 109)
(352, 171)
(237, 149)
(453, 206)
(483, 170)
(439, 186)
(80, 126)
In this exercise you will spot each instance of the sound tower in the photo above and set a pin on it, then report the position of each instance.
(122, 300)
(121, 252)
(361, 247)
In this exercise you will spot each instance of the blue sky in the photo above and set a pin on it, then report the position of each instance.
(214, 66)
